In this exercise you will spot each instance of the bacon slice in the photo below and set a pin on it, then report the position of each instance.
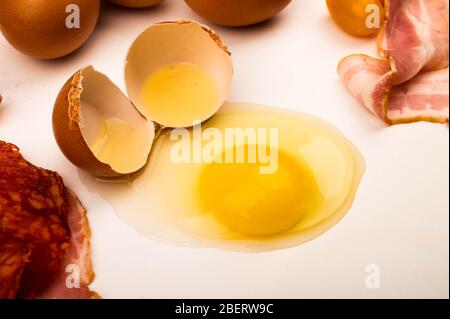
(426, 97)
(369, 80)
(42, 228)
(415, 37)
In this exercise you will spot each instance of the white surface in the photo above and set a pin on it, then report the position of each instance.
(399, 220)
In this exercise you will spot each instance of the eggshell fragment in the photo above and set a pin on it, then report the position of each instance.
(137, 3)
(48, 29)
(87, 99)
(236, 13)
(178, 42)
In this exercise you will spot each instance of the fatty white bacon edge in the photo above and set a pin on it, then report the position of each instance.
(77, 260)
(369, 80)
(415, 37)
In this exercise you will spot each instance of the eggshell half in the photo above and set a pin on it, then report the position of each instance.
(178, 42)
(87, 98)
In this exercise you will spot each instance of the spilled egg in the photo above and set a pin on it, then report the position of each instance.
(252, 178)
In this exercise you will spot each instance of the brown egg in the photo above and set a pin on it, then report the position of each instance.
(236, 13)
(137, 3)
(48, 29)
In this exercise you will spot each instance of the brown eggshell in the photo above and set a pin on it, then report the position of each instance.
(136, 3)
(236, 13)
(67, 131)
(38, 27)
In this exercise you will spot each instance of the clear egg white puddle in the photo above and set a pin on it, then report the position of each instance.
(161, 202)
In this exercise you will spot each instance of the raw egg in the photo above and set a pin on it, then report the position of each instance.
(137, 3)
(235, 13)
(357, 17)
(252, 178)
(48, 29)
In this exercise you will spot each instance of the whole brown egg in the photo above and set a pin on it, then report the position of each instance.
(48, 29)
(137, 3)
(236, 13)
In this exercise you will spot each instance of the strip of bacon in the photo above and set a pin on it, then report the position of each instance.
(415, 37)
(369, 80)
(426, 97)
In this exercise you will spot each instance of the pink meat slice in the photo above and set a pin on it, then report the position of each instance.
(369, 80)
(425, 97)
(415, 37)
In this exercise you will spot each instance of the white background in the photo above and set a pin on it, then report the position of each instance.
(399, 221)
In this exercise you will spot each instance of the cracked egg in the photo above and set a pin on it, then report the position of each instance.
(245, 177)
(176, 73)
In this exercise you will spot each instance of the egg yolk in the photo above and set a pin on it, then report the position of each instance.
(176, 95)
(256, 204)
(357, 17)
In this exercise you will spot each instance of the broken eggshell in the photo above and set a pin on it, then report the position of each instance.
(175, 42)
(87, 101)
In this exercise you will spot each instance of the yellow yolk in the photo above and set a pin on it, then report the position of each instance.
(179, 94)
(116, 141)
(256, 204)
